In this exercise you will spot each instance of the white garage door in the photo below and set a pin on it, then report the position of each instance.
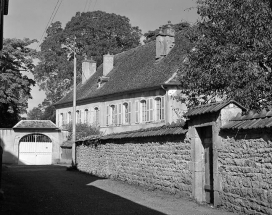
(35, 149)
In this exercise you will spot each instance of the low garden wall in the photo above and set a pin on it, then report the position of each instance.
(245, 165)
(155, 162)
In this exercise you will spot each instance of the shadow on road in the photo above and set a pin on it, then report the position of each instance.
(53, 190)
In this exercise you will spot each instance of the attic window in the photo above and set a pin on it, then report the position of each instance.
(102, 80)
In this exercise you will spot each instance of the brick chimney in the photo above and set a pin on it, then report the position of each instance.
(88, 69)
(107, 63)
(165, 40)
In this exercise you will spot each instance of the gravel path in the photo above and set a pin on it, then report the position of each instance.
(53, 190)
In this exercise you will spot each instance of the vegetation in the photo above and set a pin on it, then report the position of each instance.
(232, 55)
(15, 88)
(90, 34)
(83, 130)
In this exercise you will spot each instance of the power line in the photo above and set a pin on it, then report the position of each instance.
(53, 14)
(85, 5)
(94, 4)
(90, 5)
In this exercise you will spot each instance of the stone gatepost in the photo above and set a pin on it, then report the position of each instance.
(204, 123)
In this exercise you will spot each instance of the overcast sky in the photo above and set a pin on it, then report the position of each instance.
(28, 18)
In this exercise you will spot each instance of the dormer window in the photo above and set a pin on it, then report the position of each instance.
(102, 80)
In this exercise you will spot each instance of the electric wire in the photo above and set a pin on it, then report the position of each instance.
(53, 14)
(85, 5)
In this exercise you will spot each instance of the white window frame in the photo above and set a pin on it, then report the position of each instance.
(160, 108)
(96, 117)
(137, 112)
(86, 116)
(126, 113)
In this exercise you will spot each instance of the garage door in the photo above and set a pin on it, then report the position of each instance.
(35, 149)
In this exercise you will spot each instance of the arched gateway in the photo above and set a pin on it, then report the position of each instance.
(35, 149)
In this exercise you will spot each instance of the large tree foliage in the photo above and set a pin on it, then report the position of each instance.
(15, 88)
(232, 56)
(93, 34)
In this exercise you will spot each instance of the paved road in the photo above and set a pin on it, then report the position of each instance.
(53, 190)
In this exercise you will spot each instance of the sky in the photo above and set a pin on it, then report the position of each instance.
(29, 18)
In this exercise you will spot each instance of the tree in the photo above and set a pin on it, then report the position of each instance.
(34, 114)
(232, 56)
(83, 130)
(44, 111)
(95, 34)
(151, 35)
(15, 88)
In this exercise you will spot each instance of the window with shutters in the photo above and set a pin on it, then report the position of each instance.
(61, 120)
(86, 116)
(114, 114)
(127, 113)
(147, 110)
(137, 112)
(78, 116)
(143, 110)
(160, 110)
(119, 114)
(69, 117)
(96, 117)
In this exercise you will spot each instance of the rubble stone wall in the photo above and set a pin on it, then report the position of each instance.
(245, 166)
(156, 163)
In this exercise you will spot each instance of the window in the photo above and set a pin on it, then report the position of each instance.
(147, 110)
(78, 116)
(65, 119)
(113, 114)
(127, 112)
(86, 116)
(137, 112)
(143, 106)
(69, 117)
(160, 108)
(96, 116)
(119, 114)
(61, 122)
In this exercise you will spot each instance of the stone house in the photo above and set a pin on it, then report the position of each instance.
(131, 90)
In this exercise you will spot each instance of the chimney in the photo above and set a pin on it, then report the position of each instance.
(165, 40)
(107, 63)
(88, 69)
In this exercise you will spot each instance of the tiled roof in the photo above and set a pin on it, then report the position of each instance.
(133, 70)
(171, 129)
(36, 124)
(251, 121)
(211, 108)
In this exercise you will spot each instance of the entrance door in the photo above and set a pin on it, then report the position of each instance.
(35, 149)
(206, 137)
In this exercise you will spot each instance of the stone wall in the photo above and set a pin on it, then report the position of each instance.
(157, 163)
(245, 166)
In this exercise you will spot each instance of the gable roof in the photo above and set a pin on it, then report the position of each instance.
(36, 124)
(211, 108)
(251, 121)
(133, 70)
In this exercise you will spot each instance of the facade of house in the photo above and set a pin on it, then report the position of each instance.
(131, 90)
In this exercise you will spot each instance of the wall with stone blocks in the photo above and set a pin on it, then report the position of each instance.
(156, 163)
(245, 166)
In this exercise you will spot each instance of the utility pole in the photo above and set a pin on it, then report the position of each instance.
(3, 11)
(74, 112)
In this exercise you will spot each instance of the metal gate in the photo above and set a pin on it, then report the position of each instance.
(35, 149)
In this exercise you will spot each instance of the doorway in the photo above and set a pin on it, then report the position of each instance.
(205, 134)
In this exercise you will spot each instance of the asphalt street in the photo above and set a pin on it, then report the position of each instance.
(53, 190)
